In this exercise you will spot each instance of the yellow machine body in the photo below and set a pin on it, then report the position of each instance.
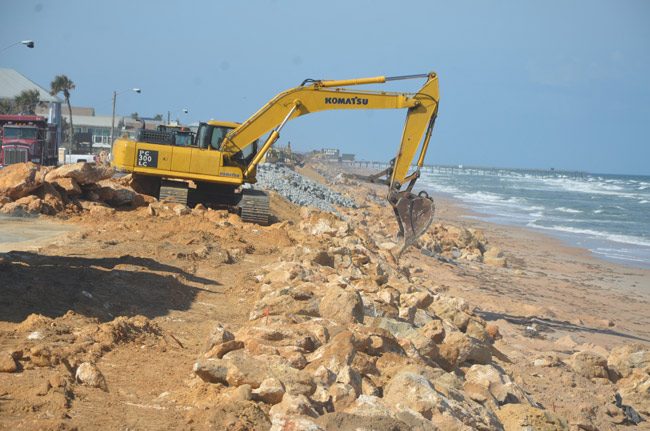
(175, 162)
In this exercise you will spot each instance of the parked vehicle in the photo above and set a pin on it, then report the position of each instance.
(27, 138)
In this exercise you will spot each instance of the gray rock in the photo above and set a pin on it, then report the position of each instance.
(299, 189)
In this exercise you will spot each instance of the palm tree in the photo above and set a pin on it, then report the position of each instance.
(6, 106)
(64, 84)
(27, 101)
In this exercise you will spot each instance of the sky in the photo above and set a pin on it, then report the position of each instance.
(562, 84)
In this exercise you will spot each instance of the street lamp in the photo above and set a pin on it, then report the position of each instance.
(115, 93)
(169, 113)
(27, 43)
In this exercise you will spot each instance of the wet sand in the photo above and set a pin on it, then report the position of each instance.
(595, 300)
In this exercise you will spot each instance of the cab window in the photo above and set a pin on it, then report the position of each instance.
(218, 133)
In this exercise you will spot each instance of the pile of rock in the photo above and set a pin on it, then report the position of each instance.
(338, 336)
(30, 189)
(300, 190)
(452, 242)
(628, 367)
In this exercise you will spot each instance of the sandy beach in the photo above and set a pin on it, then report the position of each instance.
(547, 278)
(162, 317)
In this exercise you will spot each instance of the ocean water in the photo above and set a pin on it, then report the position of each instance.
(607, 214)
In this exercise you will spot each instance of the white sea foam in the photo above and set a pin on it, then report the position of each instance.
(598, 211)
(589, 187)
(617, 254)
(624, 239)
(643, 201)
(567, 210)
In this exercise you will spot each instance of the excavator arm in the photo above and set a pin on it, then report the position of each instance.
(414, 212)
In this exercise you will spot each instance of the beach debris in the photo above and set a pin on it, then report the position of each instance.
(631, 416)
(532, 331)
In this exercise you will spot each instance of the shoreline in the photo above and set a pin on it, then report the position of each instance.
(574, 292)
(466, 211)
(567, 238)
(553, 280)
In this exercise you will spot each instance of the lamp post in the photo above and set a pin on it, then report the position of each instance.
(169, 114)
(27, 43)
(115, 93)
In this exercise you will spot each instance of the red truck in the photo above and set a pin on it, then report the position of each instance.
(27, 138)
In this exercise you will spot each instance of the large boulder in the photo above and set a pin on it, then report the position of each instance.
(270, 391)
(294, 405)
(335, 355)
(25, 206)
(117, 195)
(82, 172)
(589, 364)
(427, 338)
(343, 306)
(53, 202)
(410, 391)
(623, 360)
(459, 348)
(20, 179)
(218, 335)
(212, 370)
(517, 417)
(88, 374)
(67, 185)
(487, 383)
(495, 257)
(8, 363)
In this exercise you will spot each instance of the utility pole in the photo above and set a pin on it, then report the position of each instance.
(113, 118)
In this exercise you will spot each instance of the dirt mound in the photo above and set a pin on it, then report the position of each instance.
(30, 189)
(74, 338)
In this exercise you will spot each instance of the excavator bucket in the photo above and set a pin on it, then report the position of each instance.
(414, 216)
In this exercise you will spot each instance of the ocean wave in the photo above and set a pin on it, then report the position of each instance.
(567, 210)
(643, 201)
(589, 187)
(440, 188)
(624, 239)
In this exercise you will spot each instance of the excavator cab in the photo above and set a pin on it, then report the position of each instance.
(211, 135)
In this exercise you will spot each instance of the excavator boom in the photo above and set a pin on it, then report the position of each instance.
(414, 212)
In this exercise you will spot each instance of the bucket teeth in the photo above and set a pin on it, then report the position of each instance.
(414, 216)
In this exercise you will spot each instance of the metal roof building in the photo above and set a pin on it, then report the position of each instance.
(12, 83)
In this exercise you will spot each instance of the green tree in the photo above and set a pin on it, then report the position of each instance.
(135, 116)
(27, 101)
(62, 83)
(158, 117)
(6, 106)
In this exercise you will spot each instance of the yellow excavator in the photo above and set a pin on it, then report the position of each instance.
(223, 156)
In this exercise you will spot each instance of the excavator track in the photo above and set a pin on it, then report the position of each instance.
(254, 207)
(173, 191)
